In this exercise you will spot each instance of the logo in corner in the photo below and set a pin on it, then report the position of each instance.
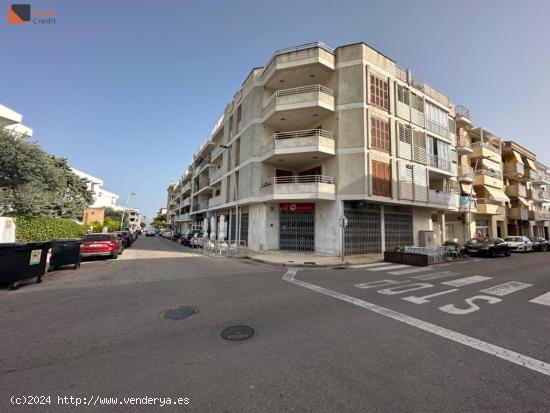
(19, 13)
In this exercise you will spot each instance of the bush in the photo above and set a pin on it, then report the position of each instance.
(29, 229)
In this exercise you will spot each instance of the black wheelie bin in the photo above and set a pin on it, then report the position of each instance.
(64, 252)
(21, 261)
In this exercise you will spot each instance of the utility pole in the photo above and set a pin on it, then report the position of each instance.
(124, 210)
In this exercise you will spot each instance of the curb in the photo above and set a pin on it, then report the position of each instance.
(296, 265)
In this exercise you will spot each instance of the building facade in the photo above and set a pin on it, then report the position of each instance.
(318, 134)
(12, 121)
(102, 197)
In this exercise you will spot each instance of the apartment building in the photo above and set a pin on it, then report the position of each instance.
(102, 198)
(12, 121)
(318, 134)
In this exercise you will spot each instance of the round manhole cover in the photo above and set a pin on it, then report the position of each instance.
(177, 313)
(238, 333)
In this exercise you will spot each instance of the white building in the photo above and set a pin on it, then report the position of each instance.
(102, 197)
(11, 120)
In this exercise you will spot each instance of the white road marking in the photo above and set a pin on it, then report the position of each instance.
(400, 289)
(467, 261)
(500, 352)
(542, 299)
(506, 288)
(466, 281)
(411, 270)
(435, 275)
(376, 264)
(424, 299)
(378, 284)
(453, 309)
(391, 267)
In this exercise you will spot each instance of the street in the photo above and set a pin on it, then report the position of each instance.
(465, 336)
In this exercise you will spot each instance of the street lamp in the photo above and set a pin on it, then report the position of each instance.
(470, 198)
(236, 192)
(124, 210)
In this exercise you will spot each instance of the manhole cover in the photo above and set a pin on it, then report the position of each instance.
(238, 333)
(178, 313)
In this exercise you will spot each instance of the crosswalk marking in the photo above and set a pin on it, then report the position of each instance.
(391, 267)
(411, 270)
(466, 281)
(424, 299)
(376, 264)
(435, 275)
(506, 288)
(542, 299)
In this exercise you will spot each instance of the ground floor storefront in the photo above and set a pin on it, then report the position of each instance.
(482, 225)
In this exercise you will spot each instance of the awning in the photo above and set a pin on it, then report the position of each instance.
(496, 194)
(518, 157)
(531, 164)
(466, 187)
(488, 163)
(523, 201)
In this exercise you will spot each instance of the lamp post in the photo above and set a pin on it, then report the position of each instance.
(124, 210)
(236, 192)
(470, 198)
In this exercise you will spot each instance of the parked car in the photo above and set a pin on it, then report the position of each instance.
(167, 234)
(126, 237)
(150, 232)
(101, 245)
(519, 243)
(187, 236)
(540, 244)
(487, 246)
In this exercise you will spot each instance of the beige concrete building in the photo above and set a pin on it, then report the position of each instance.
(318, 134)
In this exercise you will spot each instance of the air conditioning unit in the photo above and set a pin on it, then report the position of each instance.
(426, 239)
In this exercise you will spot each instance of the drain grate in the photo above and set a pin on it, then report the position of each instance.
(238, 333)
(177, 313)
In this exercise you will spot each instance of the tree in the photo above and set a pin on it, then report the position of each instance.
(116, 216)
(34, 183)
(159, 221)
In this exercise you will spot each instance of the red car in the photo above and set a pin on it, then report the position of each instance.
(108, 245)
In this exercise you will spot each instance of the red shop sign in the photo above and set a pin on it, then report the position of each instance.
(303, 207)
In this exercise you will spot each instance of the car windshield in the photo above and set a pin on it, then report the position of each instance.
(480, 240)
(98, 237)
(514, 239)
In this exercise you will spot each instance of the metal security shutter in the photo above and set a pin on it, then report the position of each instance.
(406, 190)
(398, 227)
(297, 230)
(405, 141)
(244, 226)
(420, 183)
(363, 234)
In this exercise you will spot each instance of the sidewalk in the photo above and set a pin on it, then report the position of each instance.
(290, 259)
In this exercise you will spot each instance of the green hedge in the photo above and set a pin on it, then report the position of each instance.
(28, 229)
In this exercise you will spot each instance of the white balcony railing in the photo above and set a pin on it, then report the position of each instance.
(463, 112)
(305, 179)
(216, 174)
(214, 201)
(437, 162)
(304, 89)
(308, 133)
(442, 198)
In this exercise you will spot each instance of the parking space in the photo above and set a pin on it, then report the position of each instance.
(503, 302)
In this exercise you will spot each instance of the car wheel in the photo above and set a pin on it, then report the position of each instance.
(14, 286)
(508, 253)
(114, 256)
(493, 253)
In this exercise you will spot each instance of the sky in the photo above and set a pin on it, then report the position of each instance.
(128, 90)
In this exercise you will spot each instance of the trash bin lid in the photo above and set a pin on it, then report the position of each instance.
(8, 245)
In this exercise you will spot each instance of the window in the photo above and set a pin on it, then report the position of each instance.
(417, 102)
(403, 95)
(405, 133)
(482, 228)
(381, 178)
(379, 92)
(380, 134)
(437, 115)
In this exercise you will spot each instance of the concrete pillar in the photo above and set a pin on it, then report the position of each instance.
(382, 229)
(443, 230)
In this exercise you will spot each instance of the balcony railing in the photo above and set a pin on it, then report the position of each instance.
(217, 200)
(488, 172)
(462, 112)
(513, 168)
(440, 163)
(299, 179)
(216, 152)
(216, 174)
(406, 76)
(436, 128)
(465, 200)
(465, 171)
(442, 198)
(488, 201)
(487, 146)
(304, 89)
(298, 49)
(303, 134)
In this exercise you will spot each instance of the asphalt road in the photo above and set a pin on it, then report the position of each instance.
(327, 340)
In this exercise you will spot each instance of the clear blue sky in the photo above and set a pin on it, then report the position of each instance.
(127, 90)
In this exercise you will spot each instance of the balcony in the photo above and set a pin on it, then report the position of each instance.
(205, 163)
(441, 164)
(292, 108)
(513, 170)
(186, 202)
(541, 178)
(464, 145)
(215, 174)
(300, 187)
(516, 190)
(298, 147)
(480, 149)
(488, 177)
(465, 173)
(448, 199)
(304, 63)
(536, 215)
(462, 113)
(521, 213)
(463, 204)
(215, 201)
(203, 188)
(534, 195)
(489, 206)
(217, 151)
(186, 188)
